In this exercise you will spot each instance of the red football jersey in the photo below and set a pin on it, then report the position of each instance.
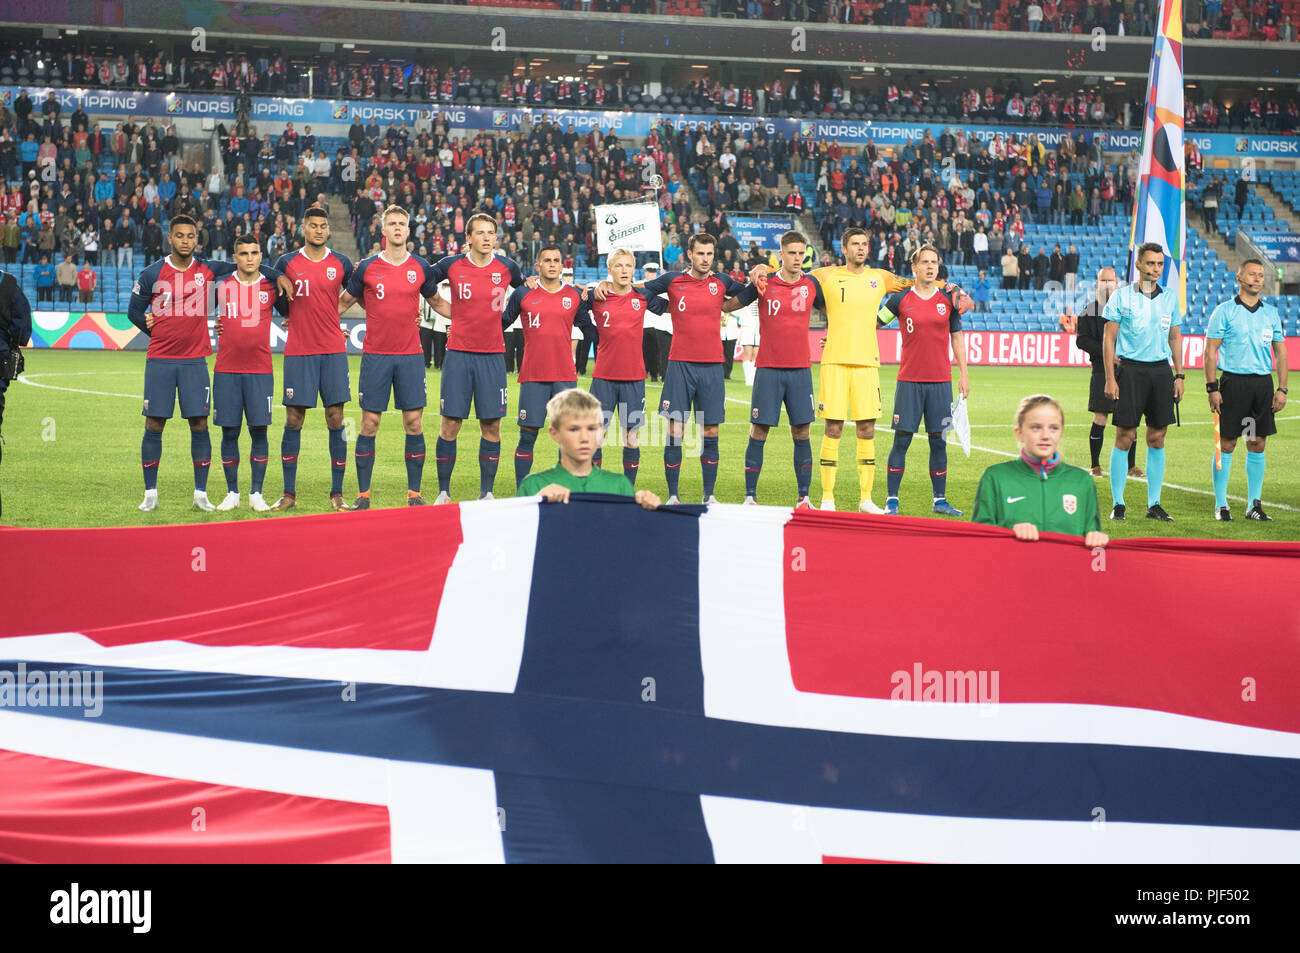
(244, 346)
(180, 304)
(391, 296)
(925, 324)
(620, 322)
(478, 296)
(314, 311)
(547, 318)
(783, 313)
(695, 305)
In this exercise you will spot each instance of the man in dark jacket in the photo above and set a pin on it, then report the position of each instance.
(1088, 337)
(1042, 265)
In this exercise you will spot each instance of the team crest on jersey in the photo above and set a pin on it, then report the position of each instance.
(263, 297)
(636, 305)
(410, 276)
(135, 288)
(666, 404)
(713, 287)
(1070, 502)
(496, 277)
(331, 273)
(566, 302)
(803, 290)
(523, 414)
(941, 308)
(753, 414)
(873, 284)
(146, 403)
(288, 393)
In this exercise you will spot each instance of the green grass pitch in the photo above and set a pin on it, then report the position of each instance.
(72, 454)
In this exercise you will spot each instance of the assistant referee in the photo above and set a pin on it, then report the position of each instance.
(1244, 340)
(1142, 337)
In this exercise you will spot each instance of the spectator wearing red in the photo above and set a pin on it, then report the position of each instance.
(86, 281)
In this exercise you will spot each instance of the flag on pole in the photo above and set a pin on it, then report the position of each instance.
(1159, 214)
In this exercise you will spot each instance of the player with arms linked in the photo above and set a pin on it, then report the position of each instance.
(171, 302)
(784, 371)
(618, 379)
(315, 353)
(243, 382)
(389, 286)
(549, 313)
(475, 366)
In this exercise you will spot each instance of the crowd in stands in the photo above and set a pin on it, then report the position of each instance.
(1268, 20)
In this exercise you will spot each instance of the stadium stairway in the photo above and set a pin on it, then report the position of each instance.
(1232, 258)
(806, 223)
(1285, 214)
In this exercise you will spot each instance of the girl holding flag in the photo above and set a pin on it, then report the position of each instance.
(1037, 492)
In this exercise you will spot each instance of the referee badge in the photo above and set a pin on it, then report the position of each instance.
(1070, 502)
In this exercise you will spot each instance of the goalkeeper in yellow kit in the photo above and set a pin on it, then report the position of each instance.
(850, 365)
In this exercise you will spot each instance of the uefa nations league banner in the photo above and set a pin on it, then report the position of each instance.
(631, 124)
(456, 686)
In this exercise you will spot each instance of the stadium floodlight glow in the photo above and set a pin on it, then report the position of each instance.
(699, 66)
(1109, 79)
(349, 46)
(794, 70)
(71, 32)
(602, 56)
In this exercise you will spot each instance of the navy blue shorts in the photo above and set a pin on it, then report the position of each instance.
(774, 386)
(627, 398)
(165, 377)
(690, 385)
(468, 375)
(247, 396)
(307, 375)
(533, 396)
(403, 374)
(913, 399)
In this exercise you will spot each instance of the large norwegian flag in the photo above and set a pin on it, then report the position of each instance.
(514, 681)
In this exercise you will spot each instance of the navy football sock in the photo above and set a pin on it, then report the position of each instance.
(938, 465)
(803, 466)
(365, 457)
(444, 456)
(524, 454)
(631, 463)
(414, 461)
(230, 457)
(753, 465)
(489, 456)
(338, 459)
(150, 454)
(709, 464)
(897, 461)
(258, 456)
(673, 464)
(201, 454)
(289, 445)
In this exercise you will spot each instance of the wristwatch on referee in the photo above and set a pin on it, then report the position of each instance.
(1282, 389)
(1180, 377)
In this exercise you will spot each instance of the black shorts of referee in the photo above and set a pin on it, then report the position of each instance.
(1247, 403)
(1098, 402)
(1146, 388)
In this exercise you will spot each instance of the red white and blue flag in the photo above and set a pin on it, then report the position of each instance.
(1159, 209)
(514, 681)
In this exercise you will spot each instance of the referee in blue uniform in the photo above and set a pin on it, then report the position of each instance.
(1142, 337)
(1244, 340)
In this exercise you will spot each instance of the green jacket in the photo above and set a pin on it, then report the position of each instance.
(598, 481)
(1065, 501)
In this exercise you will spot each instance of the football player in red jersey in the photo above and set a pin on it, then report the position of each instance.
(243, 382)
(474, 369)
(315, 354)
(390, 286)
(929, 322)
(549, 311)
